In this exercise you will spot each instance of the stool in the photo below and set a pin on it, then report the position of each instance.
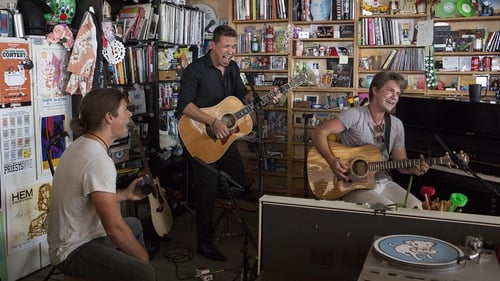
(73, 278)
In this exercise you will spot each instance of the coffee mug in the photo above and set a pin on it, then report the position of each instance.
(475, 92)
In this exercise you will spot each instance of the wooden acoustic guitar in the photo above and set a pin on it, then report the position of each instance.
(364, 161)
(200, 139)
(161, 215)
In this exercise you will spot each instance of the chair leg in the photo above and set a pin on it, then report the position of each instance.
(50, 273)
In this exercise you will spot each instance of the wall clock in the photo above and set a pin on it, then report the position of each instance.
(211, 20)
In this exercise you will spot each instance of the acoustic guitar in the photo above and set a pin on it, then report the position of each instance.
(363, 161)
(200, 139)
(161, 215)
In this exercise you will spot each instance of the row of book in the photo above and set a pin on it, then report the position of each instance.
(404, 59)
(493, 42)
(386, 31)
(137, 67)
(180, 24)
(260, 9)
(304, 10)
(136, 22)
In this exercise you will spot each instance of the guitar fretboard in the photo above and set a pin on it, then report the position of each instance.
(407, 163)
(249, 108)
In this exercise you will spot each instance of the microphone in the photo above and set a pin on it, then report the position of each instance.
(363, 102)
(57, 138)
(307, 115)
(452, 154)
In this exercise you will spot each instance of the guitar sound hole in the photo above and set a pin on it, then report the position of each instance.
(359, 168)
(229, 120)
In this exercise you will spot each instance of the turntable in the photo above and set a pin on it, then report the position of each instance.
(414, 257)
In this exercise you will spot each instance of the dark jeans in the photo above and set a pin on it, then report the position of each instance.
(100, 260)
(207, 185)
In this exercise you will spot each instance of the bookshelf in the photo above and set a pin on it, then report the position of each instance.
(154, 55)
(352, 45)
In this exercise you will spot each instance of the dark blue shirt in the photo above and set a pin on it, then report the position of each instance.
(205, 86)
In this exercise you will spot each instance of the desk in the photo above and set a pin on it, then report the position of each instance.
(308, 236)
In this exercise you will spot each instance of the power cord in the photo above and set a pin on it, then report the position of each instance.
(180, 255)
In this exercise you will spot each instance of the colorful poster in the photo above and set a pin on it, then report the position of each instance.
(17, 140)
(51, 76)
(3, 253)
(27, 212)
(15, 77)
(53, 139)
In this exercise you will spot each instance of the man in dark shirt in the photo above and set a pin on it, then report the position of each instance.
(205, 83)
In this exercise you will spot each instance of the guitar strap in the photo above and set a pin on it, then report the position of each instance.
(387, 132)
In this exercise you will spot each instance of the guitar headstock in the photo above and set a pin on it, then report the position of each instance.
(448, 161)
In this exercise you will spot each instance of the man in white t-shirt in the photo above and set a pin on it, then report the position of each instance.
(87, 235)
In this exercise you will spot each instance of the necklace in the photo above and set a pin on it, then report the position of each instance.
(103, 142)
(378, 130)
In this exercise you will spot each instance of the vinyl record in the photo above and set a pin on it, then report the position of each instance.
(465, 8)
(445, 9)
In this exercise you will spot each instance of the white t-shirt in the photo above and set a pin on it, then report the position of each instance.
(84, 168)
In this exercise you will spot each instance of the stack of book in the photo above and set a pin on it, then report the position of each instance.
(137, 22)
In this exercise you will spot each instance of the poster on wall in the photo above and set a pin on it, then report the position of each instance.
(27, 210)
(51, 76)
(15, 77)
(53, 137)
(17, 141)
(3, 253)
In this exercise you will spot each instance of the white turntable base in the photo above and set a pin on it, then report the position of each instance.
(377, 270)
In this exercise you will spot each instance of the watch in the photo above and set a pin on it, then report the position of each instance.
(211, 21)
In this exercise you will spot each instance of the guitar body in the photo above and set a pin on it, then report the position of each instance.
(323, 182)
(197, 136)
(161, 214)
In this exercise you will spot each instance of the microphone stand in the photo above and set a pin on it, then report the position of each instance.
(260, 139)
(462, 165)
(225, 178)
(53, 141)
(306, 117)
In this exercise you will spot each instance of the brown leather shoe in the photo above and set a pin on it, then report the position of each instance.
(211, 252)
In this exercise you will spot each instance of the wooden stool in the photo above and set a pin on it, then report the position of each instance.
(73, 278)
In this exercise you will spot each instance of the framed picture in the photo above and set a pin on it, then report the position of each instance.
(325, 31)
(278, 63)
(311, 98)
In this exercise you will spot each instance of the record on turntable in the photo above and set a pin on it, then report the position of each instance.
(445, 9)
(417, 252)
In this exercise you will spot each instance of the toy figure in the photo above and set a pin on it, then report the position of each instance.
(63, 11)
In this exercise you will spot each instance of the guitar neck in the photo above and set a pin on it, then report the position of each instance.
(137, 140)
(406, 163)
(264, 100)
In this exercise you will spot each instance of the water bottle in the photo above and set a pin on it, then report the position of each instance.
(18, 24)
(254, 45)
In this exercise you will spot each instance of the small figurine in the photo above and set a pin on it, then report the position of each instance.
(63, 11)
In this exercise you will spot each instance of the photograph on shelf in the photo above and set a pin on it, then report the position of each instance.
(278, 63)
(324, 31)
(494, 83)
(313, 99)
(342, 73)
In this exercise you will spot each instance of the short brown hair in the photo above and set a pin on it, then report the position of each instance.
(94, 106)
(383, 77)
(223, 30)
